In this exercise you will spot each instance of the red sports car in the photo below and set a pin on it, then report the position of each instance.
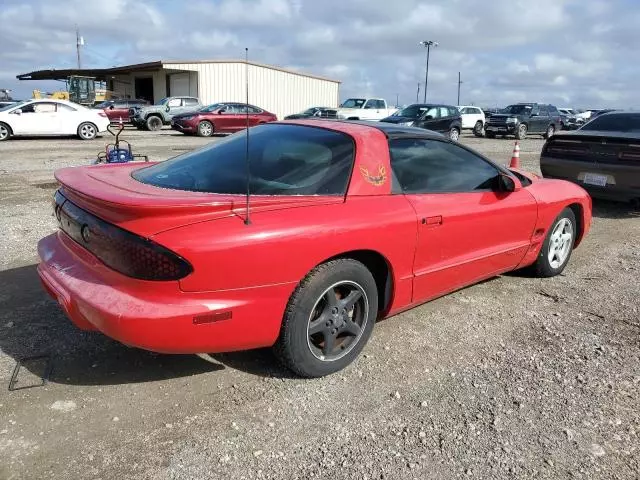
(221, 118)
(346, 223)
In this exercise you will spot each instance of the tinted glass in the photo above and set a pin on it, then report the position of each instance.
(544, 112)
(518, 109)
(190, 102)
(615, 122)
(430, 166)
(254, 109)
(64, 108)
(211, 108)
(353, 103)
(284, 159)
(412, 111)
(444, 112)
(454, 112)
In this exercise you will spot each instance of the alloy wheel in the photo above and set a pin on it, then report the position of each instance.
(560, 243)
(88, 131)
(4, 132)
(337, 321)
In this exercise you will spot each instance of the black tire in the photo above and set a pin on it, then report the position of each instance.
(490, 134)
(5, 132)
(205, 129)
(543, 266)
(454, 134)
(294, 346)
(551, 130)
(87, 131)
(478, 129)
(521, 132)
(154, 123)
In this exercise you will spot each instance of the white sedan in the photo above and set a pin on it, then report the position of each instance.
(51, 117)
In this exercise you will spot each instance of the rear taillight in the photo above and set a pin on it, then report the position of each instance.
(119, 249)
(629, 155)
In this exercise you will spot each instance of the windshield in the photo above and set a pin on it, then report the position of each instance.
(211, 108)
(412, 111)
(615, 122)
(517, 109)
(284, 160)
(354, 103)
(14, 105)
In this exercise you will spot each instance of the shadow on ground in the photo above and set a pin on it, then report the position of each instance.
(32, 324)
(609, 209)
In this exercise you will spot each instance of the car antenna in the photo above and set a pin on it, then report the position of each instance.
(247, 220)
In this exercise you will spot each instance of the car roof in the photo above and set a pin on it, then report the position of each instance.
(390, 130)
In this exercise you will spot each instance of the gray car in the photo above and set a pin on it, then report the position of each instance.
(153, 117)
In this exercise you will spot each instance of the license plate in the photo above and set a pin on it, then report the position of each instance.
(595, 179)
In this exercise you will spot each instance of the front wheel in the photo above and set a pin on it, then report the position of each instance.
(205, 129)
(154, 123)
(558, 245)
(454, 134)
(521, 133)
(87, 131)
(329, 319)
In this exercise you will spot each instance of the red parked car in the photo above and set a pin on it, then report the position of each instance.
(118, 110)
(221, 118)
(347, 223)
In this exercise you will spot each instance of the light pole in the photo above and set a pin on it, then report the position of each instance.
(428, 44)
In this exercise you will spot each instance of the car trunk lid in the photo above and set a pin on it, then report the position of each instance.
(111, 193)
(610, 148)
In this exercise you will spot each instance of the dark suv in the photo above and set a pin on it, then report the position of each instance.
(439, 118)
(523, 118)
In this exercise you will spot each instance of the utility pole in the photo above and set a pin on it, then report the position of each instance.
(428, 44)
(79, 43)
(418, 93)
(459, 83)
(397, 99)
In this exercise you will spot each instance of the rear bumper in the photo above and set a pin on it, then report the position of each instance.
(623, 181)
(157, 316)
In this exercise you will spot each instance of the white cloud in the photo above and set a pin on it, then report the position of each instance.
(564, 51)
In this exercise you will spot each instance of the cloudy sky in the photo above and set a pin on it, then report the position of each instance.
(581, 53)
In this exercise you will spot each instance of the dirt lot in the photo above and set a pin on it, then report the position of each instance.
(513, 378)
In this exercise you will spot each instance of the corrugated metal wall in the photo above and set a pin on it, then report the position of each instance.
(276, 91)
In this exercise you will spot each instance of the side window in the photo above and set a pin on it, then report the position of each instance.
(174, 102)
(535, 110)
(370, 104)
(444, 112)
(554, 111)
(380, 104)
(61, 107)
(44, 107)
(544, 112)
(454, 112)
(254, 110)
(190, 102)
(431, 166)
(465, 111)
(433, 112)
(477, 111)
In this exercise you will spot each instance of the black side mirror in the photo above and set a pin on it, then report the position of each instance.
(168, 108)
(506, 183)
(221, 111)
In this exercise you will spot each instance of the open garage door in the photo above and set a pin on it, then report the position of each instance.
(179, 84)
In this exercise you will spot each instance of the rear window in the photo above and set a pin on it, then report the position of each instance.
(284, 160)
(615, 122)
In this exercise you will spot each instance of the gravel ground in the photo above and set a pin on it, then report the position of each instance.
(513, 378)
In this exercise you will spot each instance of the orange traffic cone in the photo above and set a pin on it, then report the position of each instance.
(515, 158)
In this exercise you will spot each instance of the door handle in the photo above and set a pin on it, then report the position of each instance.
(432, 221)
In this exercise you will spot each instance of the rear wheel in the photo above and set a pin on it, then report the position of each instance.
(5, 132)
(478, 128)
(205, 129)
(454, 134)
(558, 245)
(154, 123)
(521, 133)
(329, 319)
(550, 131)
(87, 131)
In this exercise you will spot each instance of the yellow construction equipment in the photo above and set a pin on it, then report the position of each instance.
(80, 90)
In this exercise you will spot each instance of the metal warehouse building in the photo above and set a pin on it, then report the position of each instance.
(275, 89)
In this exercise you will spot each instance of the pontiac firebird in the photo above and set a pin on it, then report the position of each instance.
(346, 223)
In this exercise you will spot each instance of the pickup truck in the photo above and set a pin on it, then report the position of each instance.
(152, 117)
(364, 109)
